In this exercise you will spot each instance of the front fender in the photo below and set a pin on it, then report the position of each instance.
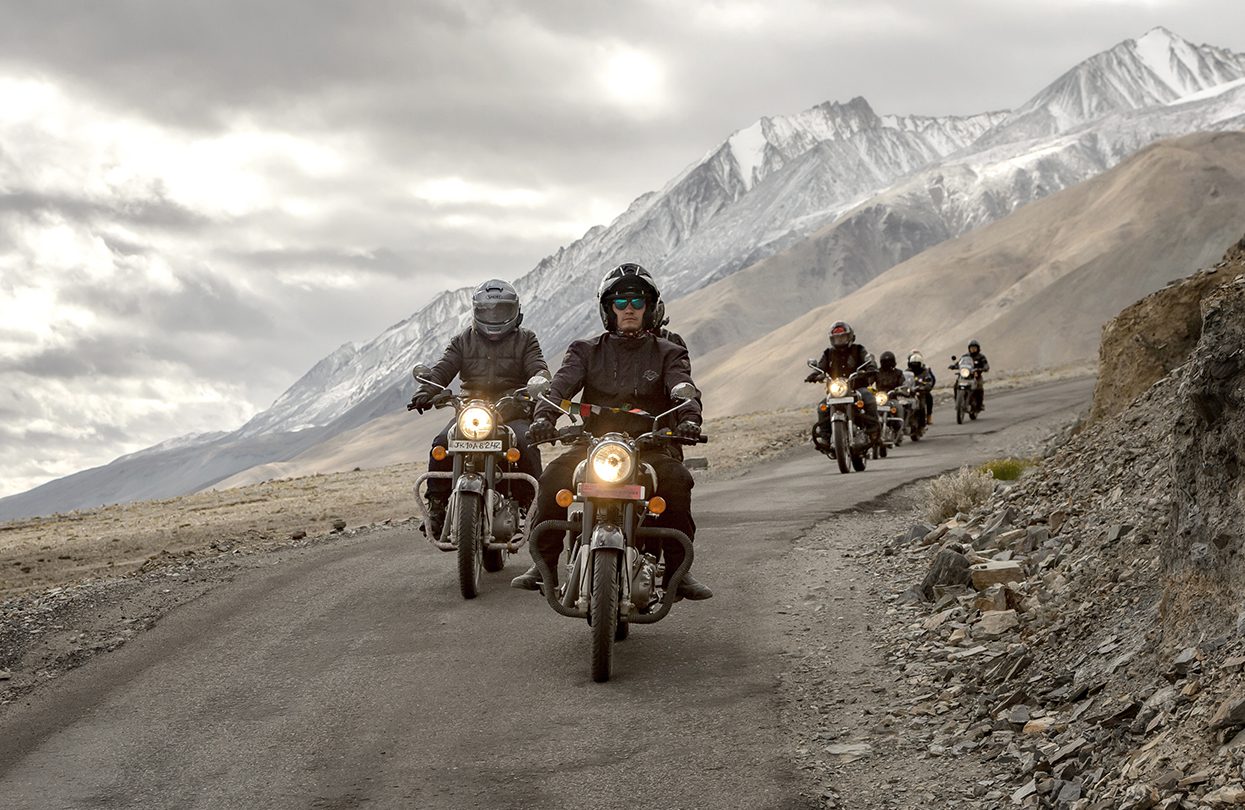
(469, 482)
(607, 535)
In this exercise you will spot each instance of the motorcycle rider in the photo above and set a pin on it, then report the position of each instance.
(840, 359)
(925, 380)
(493, 356)
(889, 377)
(981, 364)
(628, 366)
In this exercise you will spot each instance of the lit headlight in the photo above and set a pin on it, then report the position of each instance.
(838, 387)
(612, 462)
(882, 398)
(475, 423)
(966, 373)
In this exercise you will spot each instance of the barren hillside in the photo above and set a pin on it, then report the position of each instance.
(1035, 287)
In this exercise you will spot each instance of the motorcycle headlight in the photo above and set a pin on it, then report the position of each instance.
(612, 462)
(838, 387)
(965, 373)
(475, 423)
(882, 398)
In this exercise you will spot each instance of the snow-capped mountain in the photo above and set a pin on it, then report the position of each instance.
(887, 185)
(1154, 69)
(758, 191)
(947, 199)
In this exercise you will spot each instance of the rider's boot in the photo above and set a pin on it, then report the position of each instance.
(529, 580)
(436, 516)
(692, 589)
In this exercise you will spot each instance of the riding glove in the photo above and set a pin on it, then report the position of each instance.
(542, 430)
(688, 430)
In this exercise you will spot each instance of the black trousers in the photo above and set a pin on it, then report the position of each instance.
(674, 484)
(529, 462)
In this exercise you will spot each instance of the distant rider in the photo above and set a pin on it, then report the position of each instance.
(494, 356)
(889, 377)
(628, 366)
(841, 359)
(924, 377)
(981, 364)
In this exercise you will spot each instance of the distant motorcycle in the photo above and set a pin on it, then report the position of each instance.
(482, 523)
(917, 418)
(967, 384)
(893, 407)
(615, 568)
(849, 443)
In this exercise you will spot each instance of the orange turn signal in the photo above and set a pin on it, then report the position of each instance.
(565, 498)
(860, 405)
(823, 407)
(512, 455)
(657, 505)
(439, 453)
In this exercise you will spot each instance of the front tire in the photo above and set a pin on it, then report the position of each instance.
(603, 610)
(494, 560)
(467, 529)
(839, 430)
(961, 405)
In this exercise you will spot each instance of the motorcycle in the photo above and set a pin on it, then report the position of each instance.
(483, 524)
(615, 567)
(893, 408)
(967, 384)
(916, 420)
(849, 443)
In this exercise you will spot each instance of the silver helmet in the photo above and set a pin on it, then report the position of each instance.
(495, 309)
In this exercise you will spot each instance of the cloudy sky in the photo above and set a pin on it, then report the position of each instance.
(198, 200)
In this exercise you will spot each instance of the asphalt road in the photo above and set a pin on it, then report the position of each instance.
(355, 675)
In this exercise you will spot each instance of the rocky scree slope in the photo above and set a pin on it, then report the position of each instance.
(1085, 629)
(1147, 340)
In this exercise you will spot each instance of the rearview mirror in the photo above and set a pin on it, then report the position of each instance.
(420, 371)
(538, 385)
(812, 363)
(684, 391)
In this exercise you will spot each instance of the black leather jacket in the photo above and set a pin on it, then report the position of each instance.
(842, 362)
(888, 379)
(489, 368)
(622, 372)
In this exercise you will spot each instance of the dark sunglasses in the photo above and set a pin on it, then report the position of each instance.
(636, 303)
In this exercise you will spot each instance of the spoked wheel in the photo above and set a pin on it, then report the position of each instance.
(840, 445)
(960, 406)
(468, 512)
(603, 611)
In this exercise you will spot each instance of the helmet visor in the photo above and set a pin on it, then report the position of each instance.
(496, 313)
(840, 339)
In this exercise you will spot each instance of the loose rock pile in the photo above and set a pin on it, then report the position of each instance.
(1083, 630)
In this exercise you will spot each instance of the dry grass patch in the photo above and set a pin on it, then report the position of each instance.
(960, 491)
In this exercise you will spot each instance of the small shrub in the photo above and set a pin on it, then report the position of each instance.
(1006, 469)
(955, 492)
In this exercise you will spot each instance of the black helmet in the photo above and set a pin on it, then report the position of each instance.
(916, 362)
(842, 334)
(495, 309)
(972, 344)
(659, 314)
(628, 278)
(887, 360)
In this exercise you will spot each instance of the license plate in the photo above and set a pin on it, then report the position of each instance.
(464, 446)
(840, 400)
(630, 492)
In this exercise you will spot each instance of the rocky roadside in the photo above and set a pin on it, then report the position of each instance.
(1081, 633)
